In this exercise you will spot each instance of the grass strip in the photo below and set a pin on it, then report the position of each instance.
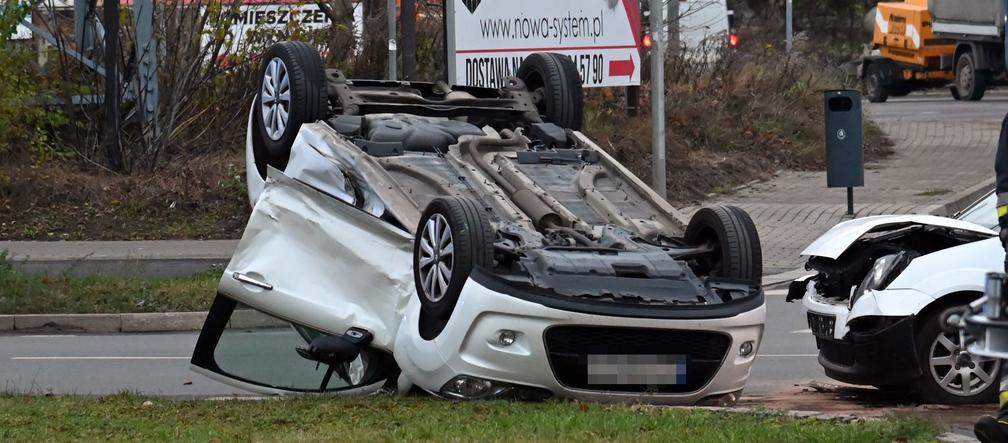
(66, 294)
(128, 417)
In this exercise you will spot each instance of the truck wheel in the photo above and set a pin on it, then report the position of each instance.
(292, 92)
(970, 81)
(872, 84)
(731, 233)
(453, 237)
(556, 85)
(949, 375)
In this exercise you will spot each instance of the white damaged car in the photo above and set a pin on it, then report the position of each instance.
(881, 285)
(471, 243)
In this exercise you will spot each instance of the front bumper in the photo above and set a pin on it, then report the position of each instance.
(878, 350)
(469, 345)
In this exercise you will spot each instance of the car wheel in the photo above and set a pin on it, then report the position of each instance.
(874, 89)
(555, 84)
(292, 91)
(970, 81)
(950, 375)
(453, 237)
(735, 245)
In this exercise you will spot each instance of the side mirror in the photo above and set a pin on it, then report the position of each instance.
(335, 349)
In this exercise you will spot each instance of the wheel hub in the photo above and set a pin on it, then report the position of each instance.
(275, 99)
(957, 371)
(436, 260)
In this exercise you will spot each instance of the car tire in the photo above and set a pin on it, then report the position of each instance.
(298, 67)
(462, 225)
(970, 81)
(737, 253)
(554, 81)
(874, 89)
(929, 386)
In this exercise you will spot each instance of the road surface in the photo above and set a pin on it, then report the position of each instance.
(158, 364)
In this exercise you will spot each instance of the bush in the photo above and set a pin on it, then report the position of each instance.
(24, 127)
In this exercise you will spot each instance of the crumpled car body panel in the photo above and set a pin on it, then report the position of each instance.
(306, 244)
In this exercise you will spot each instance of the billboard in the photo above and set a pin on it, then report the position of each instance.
(488, 39)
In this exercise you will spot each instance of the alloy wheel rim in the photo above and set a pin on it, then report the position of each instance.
(958, 372)
(437, 258)
(275, 98)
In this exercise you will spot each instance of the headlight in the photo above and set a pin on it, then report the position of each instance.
(885, 269)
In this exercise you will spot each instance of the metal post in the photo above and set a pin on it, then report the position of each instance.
(790, 24)
(850, 200)
(409, 15)
(632, 100)
(113, 148)
(449, 36)
(658, 181)
(392, 59)
(673, 27)
(147, 93)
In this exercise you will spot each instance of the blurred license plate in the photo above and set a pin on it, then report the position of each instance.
(636, 369)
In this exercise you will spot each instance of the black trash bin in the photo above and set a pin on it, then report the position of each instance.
(844, 142)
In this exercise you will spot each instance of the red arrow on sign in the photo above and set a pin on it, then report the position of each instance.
(620, 68)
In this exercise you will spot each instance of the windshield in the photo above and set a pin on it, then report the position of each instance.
(983, 212)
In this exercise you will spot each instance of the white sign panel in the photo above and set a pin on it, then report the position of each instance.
(282, 14)
(492, 37)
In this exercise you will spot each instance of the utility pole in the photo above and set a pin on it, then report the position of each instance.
(673, 27)
(658, 181)
(113, 147)
(409, 15)
(789, 18)
(392, 75)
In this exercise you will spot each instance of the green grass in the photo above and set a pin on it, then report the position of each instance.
(37, 294)
(381, 418)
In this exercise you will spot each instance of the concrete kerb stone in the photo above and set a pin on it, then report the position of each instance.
(964, 198)
(132, 322)
(90, 323)
(162, 321)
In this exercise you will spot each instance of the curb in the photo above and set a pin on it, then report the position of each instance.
(960, 200)
(104, 323)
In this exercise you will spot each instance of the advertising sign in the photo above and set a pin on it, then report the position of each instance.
(279, 14)
(488, 39)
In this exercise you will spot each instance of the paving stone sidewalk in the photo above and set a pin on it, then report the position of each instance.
(935, 159)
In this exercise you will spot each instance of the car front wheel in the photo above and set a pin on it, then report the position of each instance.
(950, 374)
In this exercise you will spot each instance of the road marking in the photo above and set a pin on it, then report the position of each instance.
(802, 331)
(47, 336)
(100, 358)
(775, 292)
(788, 355)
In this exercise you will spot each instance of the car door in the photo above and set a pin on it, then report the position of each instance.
(308, 265)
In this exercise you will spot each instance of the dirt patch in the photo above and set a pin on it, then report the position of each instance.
(865, 403)
(201, 199)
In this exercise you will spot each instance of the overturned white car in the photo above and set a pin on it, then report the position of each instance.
(881, 285)
(472, 243)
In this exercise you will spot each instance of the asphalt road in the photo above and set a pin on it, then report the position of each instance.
(939, 106)
(158, 364)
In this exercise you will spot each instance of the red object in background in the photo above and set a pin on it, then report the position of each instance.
(733, 40)
(647, 42)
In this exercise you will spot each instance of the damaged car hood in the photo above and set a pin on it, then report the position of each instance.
(835, 241)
